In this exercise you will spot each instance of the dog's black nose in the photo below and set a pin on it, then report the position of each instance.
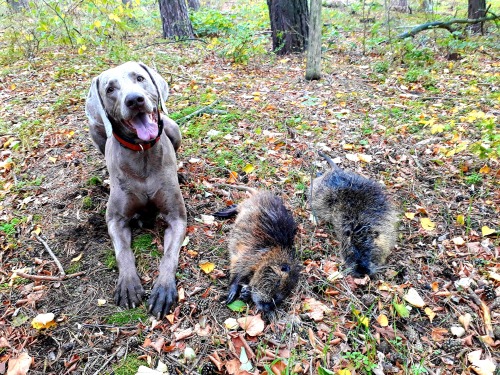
(134, 100)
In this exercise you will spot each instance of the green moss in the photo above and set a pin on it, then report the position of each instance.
(130, 316)
(128, 365)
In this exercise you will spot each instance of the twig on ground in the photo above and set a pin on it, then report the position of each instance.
(107, 362)
(49, 250)
(206, 109)
(48, 278)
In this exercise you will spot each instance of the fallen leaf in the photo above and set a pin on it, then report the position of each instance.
(207, 267)
(457, 331)
(101, 302)
(231, 323)
(76, 259)
(413, 298)
(238, 306)
(249, 168)
(487, 231)
(493, 275)
(431, 314)
(480, 366)
(459, 241)
(19, 365)
(410, 215)
(246, 364)
(465, 320)
(438, 334)
(365, 158)
(207, 219)
(352, 157)
(401, 309)
(233, 177)
(383, 320)
(143, 370)
(460, 219)
(427, 224)
(252, 325)
(43, 321)
(315, 309)
(485, 169)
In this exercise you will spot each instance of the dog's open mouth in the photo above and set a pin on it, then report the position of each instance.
(145, 125)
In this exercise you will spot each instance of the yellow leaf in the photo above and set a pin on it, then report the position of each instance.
(413, 298)
(344, 372)
(437, 128)
(427, 224)
(114, 17)
(348, 146)
(52, 159)
(364, 320)
(485, 169)
(431, 314)
(207, 267)
(76, 259)
(248, 168)
(365, 158)
(460, 219)
(43, 321)
(383, 320)
(37, 230)
(410, 215)
(13, 86)
(97, 24)
(487, 231)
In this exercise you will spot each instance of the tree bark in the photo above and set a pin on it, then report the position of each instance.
(289, 25)
(194, 4)
(18, 5)
(400, 6)
(477, 9)
(175, 19)
(313, 67)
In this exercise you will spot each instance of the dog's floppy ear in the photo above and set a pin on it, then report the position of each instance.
(160, 84)
(94, 108)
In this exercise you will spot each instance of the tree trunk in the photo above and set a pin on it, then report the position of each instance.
(426, 6)
(289, 25)
(477, 10)
(194, 4)
(18, 5)
(313, 68)
(175, 19)
(400, 6)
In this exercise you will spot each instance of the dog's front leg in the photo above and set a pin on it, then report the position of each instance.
(129, 290)
(164, 293)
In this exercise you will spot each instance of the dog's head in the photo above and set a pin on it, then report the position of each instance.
(128, 97)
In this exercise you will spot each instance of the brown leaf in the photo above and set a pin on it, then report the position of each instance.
(181, 335)
(158, 344)
(438, 334)
(252, 325)
(19, 365)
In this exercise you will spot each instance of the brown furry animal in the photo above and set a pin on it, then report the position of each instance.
(363, 218)
(263, 260)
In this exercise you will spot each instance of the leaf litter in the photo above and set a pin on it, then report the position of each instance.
(447, 253)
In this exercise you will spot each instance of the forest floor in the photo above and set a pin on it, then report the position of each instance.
(411, 127)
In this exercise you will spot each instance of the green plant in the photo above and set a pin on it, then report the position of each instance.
(130, 316)
(87, 203)
(110, 260)
(360, 361)
(94, 181)
(381, 67)
(128, 365)
(489, 145)
(473, 178)
(10, 228)
(242, 44)
(209, 22)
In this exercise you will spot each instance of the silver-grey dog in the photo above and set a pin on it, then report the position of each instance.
(139, 143)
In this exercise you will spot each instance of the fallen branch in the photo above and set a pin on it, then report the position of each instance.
(206, 109)
(48, 278)
(447, 25)
(49, 250)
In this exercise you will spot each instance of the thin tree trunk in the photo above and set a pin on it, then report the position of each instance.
(313, 68)
(476, 10)
(175, 19)
(289, 25)
(18, 5)
(194, 4)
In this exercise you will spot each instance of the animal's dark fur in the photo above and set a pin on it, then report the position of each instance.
(263, 260)
(363, 218)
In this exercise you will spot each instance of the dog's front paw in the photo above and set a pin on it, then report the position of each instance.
(129, 291)
(163, 298)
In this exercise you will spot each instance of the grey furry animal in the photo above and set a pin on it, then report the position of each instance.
(263, 262)
(123, 107)
(363, 218)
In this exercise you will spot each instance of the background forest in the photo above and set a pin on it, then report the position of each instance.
(419, 113)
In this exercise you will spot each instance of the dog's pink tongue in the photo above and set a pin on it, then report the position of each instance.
(144, 126)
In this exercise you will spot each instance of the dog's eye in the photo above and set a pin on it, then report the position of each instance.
(140, 78)
(109, 90)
